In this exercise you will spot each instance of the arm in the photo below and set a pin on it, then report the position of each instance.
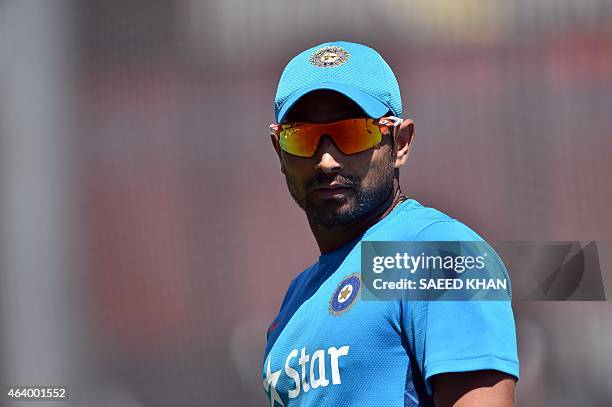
(474, 389)
(466, 350)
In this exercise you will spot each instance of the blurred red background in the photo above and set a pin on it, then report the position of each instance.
(176, 232)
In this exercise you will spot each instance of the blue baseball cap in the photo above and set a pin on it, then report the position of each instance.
(356, 71)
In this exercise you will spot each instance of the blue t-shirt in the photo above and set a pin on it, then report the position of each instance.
(380, 353)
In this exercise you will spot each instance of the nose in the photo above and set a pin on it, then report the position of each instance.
(328, 157)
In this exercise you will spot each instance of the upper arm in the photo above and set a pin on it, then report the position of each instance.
(288, 294)
(477, 388)
(460, 340)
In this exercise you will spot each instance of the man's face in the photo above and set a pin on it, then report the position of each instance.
(332, 187)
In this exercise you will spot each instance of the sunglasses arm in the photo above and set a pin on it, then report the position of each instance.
(275, 130)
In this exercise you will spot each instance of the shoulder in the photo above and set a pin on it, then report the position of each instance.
(451, 229)
(298, 283)
(294, 296)
(430, 224)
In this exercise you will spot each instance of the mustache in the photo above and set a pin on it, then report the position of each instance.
(322, 180)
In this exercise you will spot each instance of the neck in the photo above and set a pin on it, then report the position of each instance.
(333, 237)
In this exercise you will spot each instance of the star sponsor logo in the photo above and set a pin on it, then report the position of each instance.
(269, 384)
(345, 295)
(308, 374)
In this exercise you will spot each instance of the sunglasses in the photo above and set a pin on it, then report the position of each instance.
(350, 136)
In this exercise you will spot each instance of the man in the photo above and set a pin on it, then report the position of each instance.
(341, 142)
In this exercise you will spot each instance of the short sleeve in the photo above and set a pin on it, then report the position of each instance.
(459, 336)
(288, 295)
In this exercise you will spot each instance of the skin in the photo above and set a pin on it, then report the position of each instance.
(368, 180)
(344, 195)
(479, 388)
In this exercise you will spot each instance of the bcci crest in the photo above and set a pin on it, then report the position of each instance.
(345, 295)
(329, 57)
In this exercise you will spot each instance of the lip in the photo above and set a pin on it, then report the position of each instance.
(331, 189)
(331, 186)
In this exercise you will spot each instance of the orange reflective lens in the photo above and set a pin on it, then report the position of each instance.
(350, 136)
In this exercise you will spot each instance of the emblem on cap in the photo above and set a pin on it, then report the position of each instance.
(345, 295)
(329, 57)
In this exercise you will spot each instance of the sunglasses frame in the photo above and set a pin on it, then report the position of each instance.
(388, 121)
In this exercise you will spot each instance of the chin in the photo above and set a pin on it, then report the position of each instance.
(333, 212)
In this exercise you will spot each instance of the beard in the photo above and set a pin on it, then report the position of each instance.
(365, 194)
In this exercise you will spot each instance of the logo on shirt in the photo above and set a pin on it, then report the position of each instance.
(312, 371)
(345, 295)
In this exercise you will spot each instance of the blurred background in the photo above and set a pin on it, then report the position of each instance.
(146, 234)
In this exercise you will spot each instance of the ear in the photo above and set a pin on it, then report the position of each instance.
(403, 137)
(278, 151)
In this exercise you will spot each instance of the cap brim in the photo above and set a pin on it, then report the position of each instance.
(371, 105)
